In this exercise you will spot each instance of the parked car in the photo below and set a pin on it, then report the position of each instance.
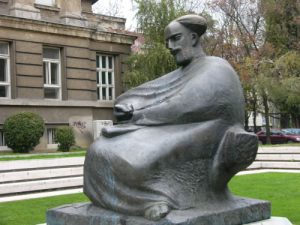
(280, 136)
(295, 131)
(276, 136)
(292, 134)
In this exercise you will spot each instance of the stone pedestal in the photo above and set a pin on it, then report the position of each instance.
(245, 211)
(271, 221)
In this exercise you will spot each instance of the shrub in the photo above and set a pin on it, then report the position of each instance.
(64, 136)
(23, 131)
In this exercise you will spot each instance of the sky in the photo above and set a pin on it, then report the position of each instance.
(120, 8)
(128, 8)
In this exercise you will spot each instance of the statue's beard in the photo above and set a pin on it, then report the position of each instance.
(184, 56)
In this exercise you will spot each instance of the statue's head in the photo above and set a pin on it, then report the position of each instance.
(182, 37)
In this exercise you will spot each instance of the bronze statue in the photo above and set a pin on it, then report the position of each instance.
(179, 138)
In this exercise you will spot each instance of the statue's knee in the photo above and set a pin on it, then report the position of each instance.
(236, 152)
(238, 148)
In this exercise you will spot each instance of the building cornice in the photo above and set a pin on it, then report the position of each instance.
(55, 103)
(111, 35)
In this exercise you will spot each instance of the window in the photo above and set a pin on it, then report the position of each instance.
(51, 135)
(52, 75)
(51, 144)
(105, 77)
(4, 71)
(2, 140)
(45, 2)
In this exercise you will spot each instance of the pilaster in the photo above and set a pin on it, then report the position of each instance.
(24, 9)
(71, 13)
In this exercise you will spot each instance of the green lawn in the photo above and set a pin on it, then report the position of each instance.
(10, 156)
(282, 189)
(32, 212)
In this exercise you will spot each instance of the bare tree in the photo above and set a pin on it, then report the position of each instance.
(240, 38)
(109, 7)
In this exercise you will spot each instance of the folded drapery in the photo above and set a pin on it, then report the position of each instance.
(165, 152)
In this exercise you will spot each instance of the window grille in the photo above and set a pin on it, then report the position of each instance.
(105, 78)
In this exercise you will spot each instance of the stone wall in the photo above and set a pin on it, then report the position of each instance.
(78, 47)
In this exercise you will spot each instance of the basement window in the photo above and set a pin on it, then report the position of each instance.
(2, 140)
(51, 136)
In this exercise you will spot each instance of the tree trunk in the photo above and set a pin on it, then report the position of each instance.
(295, 120)
(254, 110)
(254, 114)
(246, 121)
(266, 109)
(254, 121)
(284, 120)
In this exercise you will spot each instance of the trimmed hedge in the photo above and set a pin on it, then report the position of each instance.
(65, 138)
(23, 131)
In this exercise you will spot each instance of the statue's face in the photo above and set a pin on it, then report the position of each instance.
(179, 41)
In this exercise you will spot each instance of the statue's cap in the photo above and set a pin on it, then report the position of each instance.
(194, 22)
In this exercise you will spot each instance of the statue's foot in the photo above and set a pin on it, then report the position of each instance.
(157, 211)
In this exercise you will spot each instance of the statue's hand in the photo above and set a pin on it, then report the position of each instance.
(123, 112)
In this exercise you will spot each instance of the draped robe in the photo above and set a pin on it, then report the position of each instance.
(165, 152)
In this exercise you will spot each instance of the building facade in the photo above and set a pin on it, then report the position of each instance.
(61, 61)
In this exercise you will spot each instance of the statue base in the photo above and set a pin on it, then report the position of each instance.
(244, 211)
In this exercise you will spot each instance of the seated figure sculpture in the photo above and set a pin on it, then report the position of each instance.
(179, 138)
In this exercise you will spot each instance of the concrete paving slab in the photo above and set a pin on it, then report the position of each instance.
(40, 163)
(273, 221)
(40, 195)
(79, 190)
(267, 171)
(38, 185)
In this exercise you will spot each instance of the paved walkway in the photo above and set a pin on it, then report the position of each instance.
(267, 171)
(38, 153)
(284, 149)
(40, 195)
(80, 190)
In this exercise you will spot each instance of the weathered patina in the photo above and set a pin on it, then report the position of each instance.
(180, 138)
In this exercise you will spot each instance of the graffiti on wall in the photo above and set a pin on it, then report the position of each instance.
(80, 125)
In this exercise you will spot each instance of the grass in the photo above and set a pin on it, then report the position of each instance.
(32, 212)
(18, 156)
(282, 189)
